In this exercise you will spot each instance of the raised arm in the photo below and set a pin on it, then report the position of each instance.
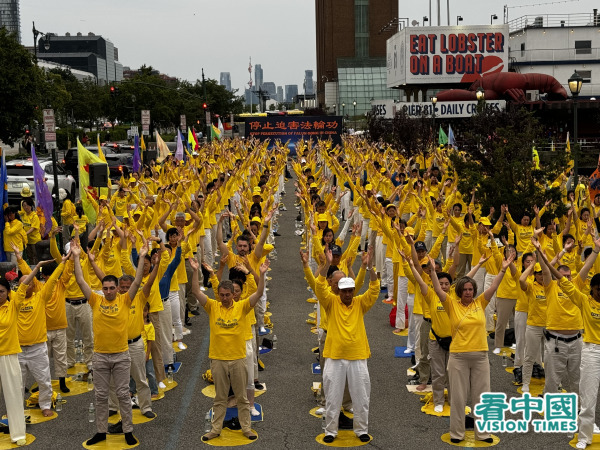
(261, 284)
(222, 245)
(85, 288)
(489, 292)
(436, 283)
(200, 296)
(139, 273)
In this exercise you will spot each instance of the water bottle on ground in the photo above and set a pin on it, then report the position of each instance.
(91, 413)
(323, 423)
(207, 422)
(274, 341)
(504, 361)
(90, 383)
(58, 404)
(170, 375)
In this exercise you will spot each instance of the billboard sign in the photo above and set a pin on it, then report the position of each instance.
(462, 54)
(447, 110)
(295, 128)
(383, 109)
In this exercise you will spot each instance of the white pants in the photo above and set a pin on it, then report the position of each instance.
(414, 329)
(11, 385)
(379, 254)
(176, 314)
(429, 239)
(588, 390)
(562, 366)
(335, 373)
(520, 327)
(166, 329)
(389, 277)
(480, 279)
(34, 359)
(401, 299)
(250, 363)
(57, 347)
(491, 307)
(209, 254)
(80, 316)
(534, 347)
(364, 232)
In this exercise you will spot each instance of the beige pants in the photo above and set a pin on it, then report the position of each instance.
(464, 264)
(534, 345)
(166, 332)
(115, 366)
(520, 329)
(562, 366)
(491, 307)
(467, 372)
(57, 348)
(438, 358)
(505, 308)
(424, 367)
(11, 385)
(80, 316)
(34, 360)
(138, 373)
(226, 373)
(156, 347)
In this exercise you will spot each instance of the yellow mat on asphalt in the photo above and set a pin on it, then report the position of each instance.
(6, 443)
(230, 438)
(345, 438)
(469, 440)
(112, 442)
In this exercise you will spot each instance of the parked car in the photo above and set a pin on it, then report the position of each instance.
(117, 162)
(20, 174)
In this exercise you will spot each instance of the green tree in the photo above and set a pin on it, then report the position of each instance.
(20, 79)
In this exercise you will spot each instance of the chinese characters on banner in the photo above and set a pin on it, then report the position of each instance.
(295, 128)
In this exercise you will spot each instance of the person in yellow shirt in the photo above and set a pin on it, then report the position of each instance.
(468, 364)
(111, 354)
(67, 214)
(346, 348)
(11, 380)
(32, 332)
(12, 234)
(227, 349)
(31, 226)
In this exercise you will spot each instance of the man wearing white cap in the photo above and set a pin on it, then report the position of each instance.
(346, 348)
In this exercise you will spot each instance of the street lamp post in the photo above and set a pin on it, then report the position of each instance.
(492, 18)
(354, 104)
(433, 102)
(480, 94)
(575, 83)
(37, 33)
(458, 19)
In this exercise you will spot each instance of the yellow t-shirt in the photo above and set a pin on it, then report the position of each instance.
(439, 319)
(81, 223)
(467, 324)
(561, 313)
(536, 314)
(135, 325)
(346, 334)
(30, 221)
(110, 321)
(148, 334)
(227, 329)
(9, 334)
(12, 235)
(590, 311)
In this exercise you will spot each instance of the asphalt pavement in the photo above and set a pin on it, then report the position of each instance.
(395, 417)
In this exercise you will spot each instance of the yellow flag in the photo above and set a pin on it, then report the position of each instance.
(100, 152)
(143, 144)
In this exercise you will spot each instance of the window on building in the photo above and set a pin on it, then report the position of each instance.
(361, 28)
(586, 75)
(523, 49)
(583, 47)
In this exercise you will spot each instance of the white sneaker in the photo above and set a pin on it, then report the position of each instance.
(408, 350)
(186, 331)
(525, 388)
(513, 347)
(496, 351)
(162, 385)
(254, 411)
(596, 429)
(581, 444)
(439, 408)
(181, 346)
(320, 411)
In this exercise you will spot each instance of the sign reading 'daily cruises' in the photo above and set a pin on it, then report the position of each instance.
(418, 55)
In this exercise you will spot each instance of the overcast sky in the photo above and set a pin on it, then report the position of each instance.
(180, 39)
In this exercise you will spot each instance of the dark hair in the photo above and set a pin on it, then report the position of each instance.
(4, 282)
(110, 279)
(126, 278)
(29, 201)
(49, 268)
(325, 231)
(460, 286)
(441, 275)
(595, 281)
(524, 257)
(226, 284)
(568, 236)
(457, 204)
(243, 237)
(587, 252)
(79, 210)
(582, 211)
(237, 281)
(236, 274)
(170, 232)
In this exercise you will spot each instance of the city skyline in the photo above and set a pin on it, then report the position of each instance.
(222, 38)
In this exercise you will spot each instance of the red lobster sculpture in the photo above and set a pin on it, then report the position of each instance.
(508, 86)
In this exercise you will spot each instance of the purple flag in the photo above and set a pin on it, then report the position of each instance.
(137, 161)
(42, 193)
(179, 151)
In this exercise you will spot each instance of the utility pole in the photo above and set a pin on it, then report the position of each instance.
(208, 123)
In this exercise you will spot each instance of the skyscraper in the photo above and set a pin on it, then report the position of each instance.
(225, 80)
(291, 90)
(270, 88)
(280, 94)
(258, 76)
(351, 51)
(308, 82)
(9, 17)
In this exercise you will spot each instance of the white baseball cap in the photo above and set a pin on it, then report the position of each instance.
(346, 283)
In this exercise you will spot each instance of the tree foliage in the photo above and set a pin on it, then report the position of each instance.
(20, 82)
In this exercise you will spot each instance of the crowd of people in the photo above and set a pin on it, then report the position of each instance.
(126, 270)
(458, 277)
(128, 267)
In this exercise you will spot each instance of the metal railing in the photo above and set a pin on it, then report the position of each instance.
(554, 20)
(554, 54)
